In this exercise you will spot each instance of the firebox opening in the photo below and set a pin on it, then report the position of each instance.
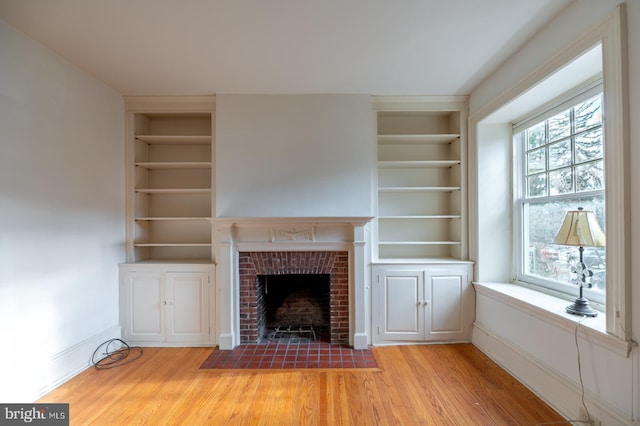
(295, 307)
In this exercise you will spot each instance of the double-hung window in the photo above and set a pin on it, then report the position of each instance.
(560, 167)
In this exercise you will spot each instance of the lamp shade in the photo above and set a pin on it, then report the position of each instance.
(580, 228)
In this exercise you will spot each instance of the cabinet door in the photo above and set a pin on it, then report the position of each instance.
(186, 306)
(401, 313)
(144, 313)
(447, 310)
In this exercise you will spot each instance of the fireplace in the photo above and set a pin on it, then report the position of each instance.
(294, 307)
(250, 250)
(309, 292)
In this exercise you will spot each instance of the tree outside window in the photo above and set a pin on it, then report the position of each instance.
(563, 159)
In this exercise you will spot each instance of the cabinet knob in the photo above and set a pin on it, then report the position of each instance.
(419, 302)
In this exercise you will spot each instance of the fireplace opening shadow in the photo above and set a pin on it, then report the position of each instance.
(293, 308)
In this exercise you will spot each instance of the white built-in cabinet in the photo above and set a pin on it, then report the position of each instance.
(422, 303)
(170, 178)
(168, 305)
(421, 280)
(421, 170)
(166, 286)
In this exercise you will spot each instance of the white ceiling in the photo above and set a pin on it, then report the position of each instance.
(196, 47)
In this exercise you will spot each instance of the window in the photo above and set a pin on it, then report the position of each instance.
(560, 167)
(498, 195)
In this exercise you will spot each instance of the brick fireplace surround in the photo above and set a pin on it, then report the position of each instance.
(250, 246)
(334, 263)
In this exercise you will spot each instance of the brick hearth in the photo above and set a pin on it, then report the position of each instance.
(334, 263)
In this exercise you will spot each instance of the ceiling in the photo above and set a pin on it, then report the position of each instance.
(197, 47)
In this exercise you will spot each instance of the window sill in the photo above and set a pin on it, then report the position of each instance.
(551, 309)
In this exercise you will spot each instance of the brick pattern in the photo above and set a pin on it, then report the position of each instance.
(252, 264)
(318, 355)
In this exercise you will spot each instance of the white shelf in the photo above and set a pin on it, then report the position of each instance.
(420, 243)
(398, 139)
(174, 190)
(172, 244)
(419, 189)
(443, 216)
(157, 165)
(170, 181)
(417, 163)
(420, 183)
(173, 218)
(174, 139)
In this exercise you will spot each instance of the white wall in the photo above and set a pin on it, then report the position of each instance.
(542, 353)
(61, 216)
(293, 155)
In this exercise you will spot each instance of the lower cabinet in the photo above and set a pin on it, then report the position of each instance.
(422, 303)
(167, 305)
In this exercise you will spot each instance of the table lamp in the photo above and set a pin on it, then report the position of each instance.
(580, 228)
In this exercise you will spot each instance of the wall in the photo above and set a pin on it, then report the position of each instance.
(61, 216)
(538, 351)
(293, 155)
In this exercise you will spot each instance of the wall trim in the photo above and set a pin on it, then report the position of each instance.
(550, 309)
(70, 362)
(557, 391)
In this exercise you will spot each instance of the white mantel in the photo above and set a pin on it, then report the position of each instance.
(235, 234)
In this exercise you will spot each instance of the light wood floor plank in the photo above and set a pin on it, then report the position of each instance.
(415, 385)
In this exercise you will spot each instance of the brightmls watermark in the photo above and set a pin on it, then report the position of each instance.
(34, 414)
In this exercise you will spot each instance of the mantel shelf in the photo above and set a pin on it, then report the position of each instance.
(260, 221)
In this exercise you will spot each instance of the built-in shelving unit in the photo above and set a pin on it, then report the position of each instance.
(170, 178)
(421, 179)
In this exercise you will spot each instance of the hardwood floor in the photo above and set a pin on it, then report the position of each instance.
(415, 385)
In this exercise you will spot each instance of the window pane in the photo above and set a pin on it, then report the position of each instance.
(551, 261)
(588, 114)
(561, 181)
(537, 185)
(535, 136)
(589, 146)
(560, 154)
(536, 161)
(560, 126)
(563, 159)
(590, 176)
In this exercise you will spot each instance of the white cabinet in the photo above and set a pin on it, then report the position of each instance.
(421, 303)
(421, 148)
(170, 149)
(167, 305)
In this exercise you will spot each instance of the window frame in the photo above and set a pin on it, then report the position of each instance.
(488, 125)
(569, 99)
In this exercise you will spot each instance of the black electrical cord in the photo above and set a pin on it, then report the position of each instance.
(115, 357)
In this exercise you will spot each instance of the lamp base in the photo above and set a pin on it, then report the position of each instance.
(580, 306)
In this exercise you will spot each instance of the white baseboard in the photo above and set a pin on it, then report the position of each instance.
(70, 362)
(557, 391)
